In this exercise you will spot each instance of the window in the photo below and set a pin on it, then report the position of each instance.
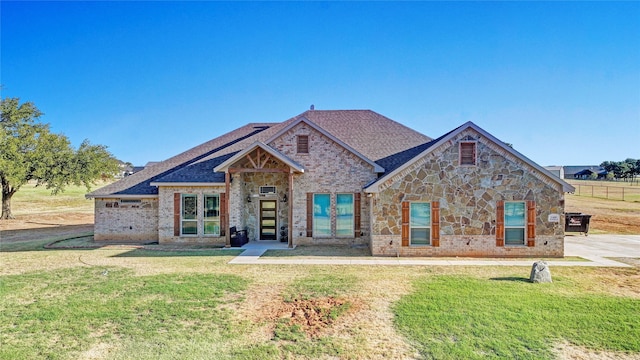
(212, 215)
(303, 144)
(189, 214)
(344, 215)
(514, 223)
(467, 153)
(321, 215)
(420, 223)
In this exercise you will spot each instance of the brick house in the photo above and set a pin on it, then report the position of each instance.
(345, 177)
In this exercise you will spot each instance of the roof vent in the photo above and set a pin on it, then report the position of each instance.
(312, 107)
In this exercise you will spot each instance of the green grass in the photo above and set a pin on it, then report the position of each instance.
(63, 312)
(31, 198)
(456, 317)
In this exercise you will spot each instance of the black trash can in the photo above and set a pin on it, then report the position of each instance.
(576, 222)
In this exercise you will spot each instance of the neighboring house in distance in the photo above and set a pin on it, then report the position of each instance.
(578, 171)
(556, 170)
(587, 174)
(344, 177)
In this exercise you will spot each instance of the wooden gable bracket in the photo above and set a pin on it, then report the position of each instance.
(258, 163)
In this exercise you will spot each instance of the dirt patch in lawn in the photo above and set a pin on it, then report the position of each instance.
(567, 351)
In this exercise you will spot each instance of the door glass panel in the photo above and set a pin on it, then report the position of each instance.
(268, 222)
(268, 204)
(268, 214)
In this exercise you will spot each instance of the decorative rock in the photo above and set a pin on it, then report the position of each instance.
(540, 272)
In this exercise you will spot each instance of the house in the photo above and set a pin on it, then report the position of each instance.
(347, 177)
(588, 174)
(571, 171)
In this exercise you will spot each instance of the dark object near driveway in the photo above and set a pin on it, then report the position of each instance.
(576, 222)
(238, 237)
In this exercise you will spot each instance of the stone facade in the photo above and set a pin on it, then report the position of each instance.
(126, 219)
(468, 196)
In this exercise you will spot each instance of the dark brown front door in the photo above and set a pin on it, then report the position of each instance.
(268, 224)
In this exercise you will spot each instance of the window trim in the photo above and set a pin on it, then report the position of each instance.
(523, 226)
(351, 232)
(428, 228)
(474, 153)
(183, 197)
(206, 219)
(302, 147)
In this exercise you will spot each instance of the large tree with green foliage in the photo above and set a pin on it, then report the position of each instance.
(30, 152)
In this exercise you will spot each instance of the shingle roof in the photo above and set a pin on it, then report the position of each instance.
(199, 172)
(371, 134)
(392, 162)
(139, 183)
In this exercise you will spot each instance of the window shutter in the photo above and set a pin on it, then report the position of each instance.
(356, 214)
(531, 223)
(223, 214)
(176, 214)
(309, 214)
(405, 223)
(435, 223)
(500, 223)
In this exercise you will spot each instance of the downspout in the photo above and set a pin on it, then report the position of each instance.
(290, 227)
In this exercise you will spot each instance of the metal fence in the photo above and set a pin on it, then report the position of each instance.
(623, 193)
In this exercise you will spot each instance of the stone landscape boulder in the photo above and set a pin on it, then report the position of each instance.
(540, 272)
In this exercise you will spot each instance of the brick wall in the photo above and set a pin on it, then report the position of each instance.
(126, 220)
(165, 215)
(467, 197)
(329, 168)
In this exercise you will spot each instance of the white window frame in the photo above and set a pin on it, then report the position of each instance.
(523, 226)
(184, 220)
(351, 229)
(206, 220)
(413, 226)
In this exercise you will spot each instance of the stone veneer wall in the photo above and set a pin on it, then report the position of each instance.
(468, 196)
(165, 215)
(249, 216)
(329, 168)
(124, 220)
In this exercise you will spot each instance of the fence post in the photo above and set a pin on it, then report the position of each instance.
(606, 191)
(591, 190)
(623, 193)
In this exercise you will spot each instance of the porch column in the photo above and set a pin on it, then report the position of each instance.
(227, 189)
(290, 227)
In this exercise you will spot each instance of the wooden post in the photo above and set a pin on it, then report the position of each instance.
(227, 188)
(290, 227)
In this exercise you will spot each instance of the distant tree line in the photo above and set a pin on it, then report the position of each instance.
(627, 170)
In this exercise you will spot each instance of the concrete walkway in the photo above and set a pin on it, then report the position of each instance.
(594, 248)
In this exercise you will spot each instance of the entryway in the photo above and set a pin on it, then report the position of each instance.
(268, 220)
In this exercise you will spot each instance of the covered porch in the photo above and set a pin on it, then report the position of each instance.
(259, 182)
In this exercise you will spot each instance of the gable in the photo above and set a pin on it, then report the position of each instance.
(286, 140)
(467, 132)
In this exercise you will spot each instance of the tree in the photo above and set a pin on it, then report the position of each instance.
(31, 152)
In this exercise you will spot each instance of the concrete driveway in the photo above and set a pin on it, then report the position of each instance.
(598, 247)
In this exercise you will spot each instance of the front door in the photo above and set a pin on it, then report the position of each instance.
(268, 224)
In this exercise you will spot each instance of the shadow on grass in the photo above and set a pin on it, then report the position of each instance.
(178, 253)
(321, 251)
(511, 278)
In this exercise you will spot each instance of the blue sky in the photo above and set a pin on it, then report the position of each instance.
(558, 80)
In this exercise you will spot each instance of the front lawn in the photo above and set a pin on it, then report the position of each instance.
(461, 317)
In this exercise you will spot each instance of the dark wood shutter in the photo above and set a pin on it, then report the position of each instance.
(405, 223)
(435, 223)
(500, 223)
(223, 214)
(356, 214)
(531, 223)
(176, 214)
(309, 214)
